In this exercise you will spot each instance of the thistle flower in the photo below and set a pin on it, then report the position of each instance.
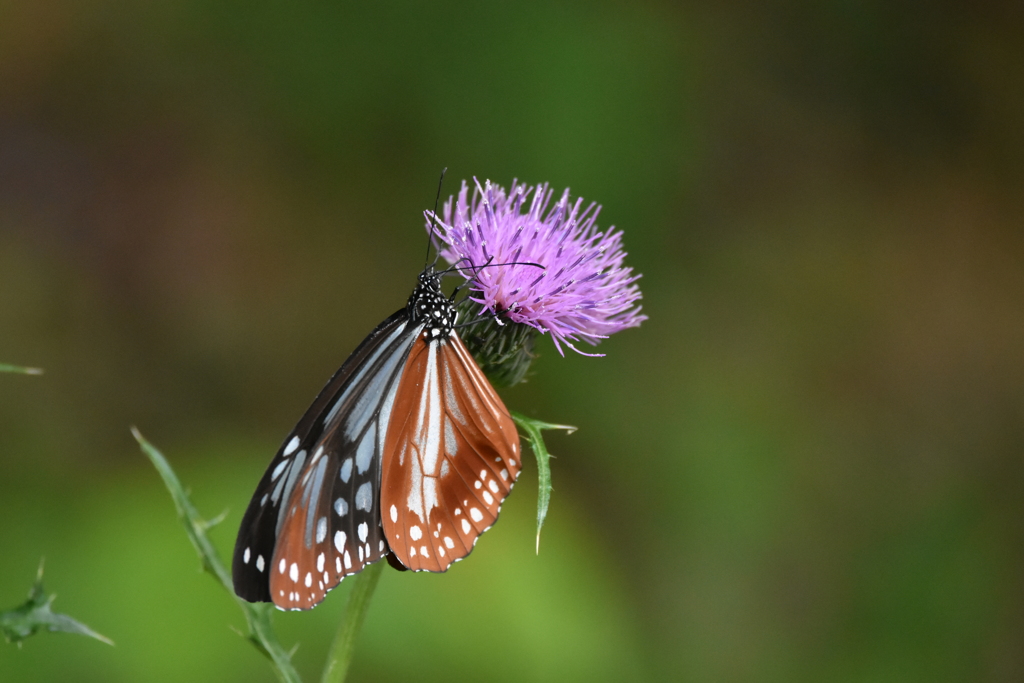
(584, 292)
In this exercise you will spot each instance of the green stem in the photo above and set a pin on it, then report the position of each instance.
(340, 655)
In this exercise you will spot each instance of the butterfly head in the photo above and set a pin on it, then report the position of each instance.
(429, 306)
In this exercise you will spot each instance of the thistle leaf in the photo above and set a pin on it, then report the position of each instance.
(257, 615)
(36, 614)
(534, 435)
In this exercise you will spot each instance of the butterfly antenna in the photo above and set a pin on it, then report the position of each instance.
(475, 269)
(488, 264)
(433, 222)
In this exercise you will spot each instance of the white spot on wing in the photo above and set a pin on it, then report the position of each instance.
(320, 562)
(448, 542)
(245, 556)
(312, 494)
(364, 497)
(293, 573)
(278, 488)
(394, 514)
(488, 497)
(321, 529)
(493, 485)
(341, 507)
(346, 470)
(415, 533)
(465, 526)
(281, 465)
(475, 514)
(292, 445)
(339, 541)
(363, 531)
(364, 452)
(259, 563)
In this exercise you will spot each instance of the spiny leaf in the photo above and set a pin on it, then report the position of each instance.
(257, 615)
(35, 614)
(534, 429)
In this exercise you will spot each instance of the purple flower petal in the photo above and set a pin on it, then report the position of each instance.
(584, 292)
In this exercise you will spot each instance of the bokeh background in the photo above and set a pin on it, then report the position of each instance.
(806, 466)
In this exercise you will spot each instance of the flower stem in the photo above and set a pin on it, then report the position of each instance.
(340, 655)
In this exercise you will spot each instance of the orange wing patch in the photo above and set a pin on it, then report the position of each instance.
(450, 457)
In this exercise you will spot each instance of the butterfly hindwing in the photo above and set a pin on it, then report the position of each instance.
(450, 457)
(315, 514)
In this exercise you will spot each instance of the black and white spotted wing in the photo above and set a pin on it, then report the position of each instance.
(315, 516)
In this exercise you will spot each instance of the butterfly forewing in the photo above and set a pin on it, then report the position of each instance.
(315, 516)
(450, 457)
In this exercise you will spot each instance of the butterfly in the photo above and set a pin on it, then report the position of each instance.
(407, 452)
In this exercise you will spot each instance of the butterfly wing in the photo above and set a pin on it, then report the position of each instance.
(451, 455)
(315, 516)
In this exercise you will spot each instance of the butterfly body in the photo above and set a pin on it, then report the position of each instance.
(407, 450)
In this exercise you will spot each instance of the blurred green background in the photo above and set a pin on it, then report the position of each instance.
(806, 466)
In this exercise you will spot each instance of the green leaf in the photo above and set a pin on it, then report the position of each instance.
(257, 615)
(4, 367)
(35, 614)
(534, 435)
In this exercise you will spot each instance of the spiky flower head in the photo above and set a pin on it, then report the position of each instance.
(582, 291)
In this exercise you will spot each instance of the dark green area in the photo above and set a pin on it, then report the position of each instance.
(805, 466)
